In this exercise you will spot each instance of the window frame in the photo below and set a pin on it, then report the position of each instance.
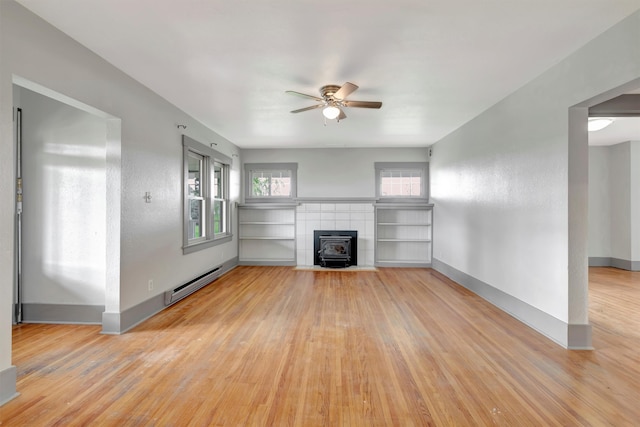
(250, 168)
(423, 167)
(210, 159)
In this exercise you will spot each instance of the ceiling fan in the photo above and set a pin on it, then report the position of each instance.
(333, 98)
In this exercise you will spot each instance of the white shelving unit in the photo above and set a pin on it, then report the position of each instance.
(267, 234)
(403, 235)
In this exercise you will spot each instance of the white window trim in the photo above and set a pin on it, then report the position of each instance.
(424, 182)
(210, 155)
(248, 187)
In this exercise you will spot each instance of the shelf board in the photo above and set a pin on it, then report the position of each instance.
(404, 206)
(404, 261)
(411, 224)
(404, 240)
(266, 223)
(268, 206)
(267, 238)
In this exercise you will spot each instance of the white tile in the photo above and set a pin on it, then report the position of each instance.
(301, 216)
(301, 228)
(328, 225)
(311, 226)
(342, 207)
(301, 243)
(328, 216)
(355, 207)
(313, 216)
(328, 207)
(342, 216)
(311, 207)
(357, 216)
(343, 225)
(309, 242)
(362, 245)
(370, 259)
(301, 258)
(358, 225)
(301, 208)
(370, 229)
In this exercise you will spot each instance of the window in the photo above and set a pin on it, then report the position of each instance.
(206, 201)
(270, 182)
(402, 181)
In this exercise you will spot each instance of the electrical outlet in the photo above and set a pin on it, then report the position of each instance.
(150, 284)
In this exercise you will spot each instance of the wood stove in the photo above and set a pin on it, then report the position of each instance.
(335, 248)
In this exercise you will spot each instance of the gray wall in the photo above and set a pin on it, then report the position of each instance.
(620, 200)
(614, 210)
(599, 203)
(336, 172)
(635, 204)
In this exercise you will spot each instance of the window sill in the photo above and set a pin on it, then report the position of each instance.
(281, 200)
(403, 200)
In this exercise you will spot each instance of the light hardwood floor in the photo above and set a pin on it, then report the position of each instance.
(273, 346)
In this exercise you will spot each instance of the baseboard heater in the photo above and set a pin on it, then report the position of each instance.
(190, 287)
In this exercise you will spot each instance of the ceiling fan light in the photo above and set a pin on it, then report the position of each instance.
(598, 124)
(331, 112)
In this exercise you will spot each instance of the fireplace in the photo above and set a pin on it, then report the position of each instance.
(335, 248)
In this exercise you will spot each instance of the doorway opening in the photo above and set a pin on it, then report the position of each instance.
(69, 166)
(580, 235)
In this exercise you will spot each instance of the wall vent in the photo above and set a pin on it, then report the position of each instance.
(190, 287)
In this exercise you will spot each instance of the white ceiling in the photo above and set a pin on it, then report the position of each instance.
(434, 64)
(621, 130)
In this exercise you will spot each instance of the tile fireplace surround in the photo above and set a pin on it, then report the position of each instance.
(335, 216)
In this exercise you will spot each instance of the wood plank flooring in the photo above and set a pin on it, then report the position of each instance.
(275, 346)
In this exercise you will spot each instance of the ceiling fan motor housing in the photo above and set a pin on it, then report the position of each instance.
(328, 91)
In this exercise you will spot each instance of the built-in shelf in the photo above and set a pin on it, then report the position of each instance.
(267, 234)
(403, 234)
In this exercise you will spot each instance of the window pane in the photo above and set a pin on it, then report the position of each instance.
(281, 186)
(196, 225)
(260, 186)
(195, 174)
(218, 185)
(219, 211)
(401, 183)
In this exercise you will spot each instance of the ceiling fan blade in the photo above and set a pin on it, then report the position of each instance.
(304, 95)
(362, 104)
(342, 115)
(313, 107)
(345, 90)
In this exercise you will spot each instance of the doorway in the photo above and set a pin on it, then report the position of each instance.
(65, 231)
(578, 220)
(614, 183)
